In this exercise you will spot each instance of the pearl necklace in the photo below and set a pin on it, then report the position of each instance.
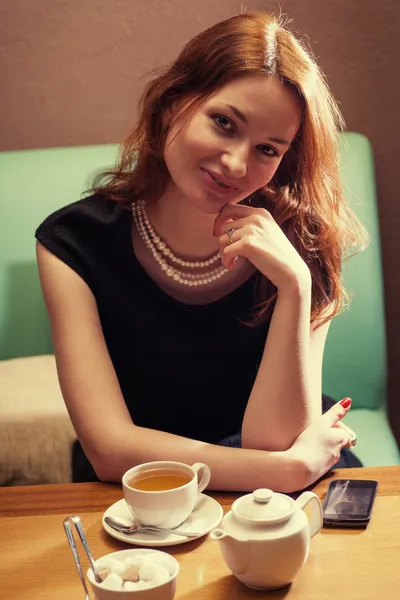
(162, 254)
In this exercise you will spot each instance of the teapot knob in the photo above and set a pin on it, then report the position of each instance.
(263, 495)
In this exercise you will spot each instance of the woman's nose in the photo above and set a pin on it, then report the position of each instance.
(235, 162)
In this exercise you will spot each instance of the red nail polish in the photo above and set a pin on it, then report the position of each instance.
(346, 402)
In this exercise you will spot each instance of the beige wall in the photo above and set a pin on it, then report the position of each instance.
(71, 70)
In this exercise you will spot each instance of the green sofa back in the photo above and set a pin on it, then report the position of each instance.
(34, 183)
(355, 354)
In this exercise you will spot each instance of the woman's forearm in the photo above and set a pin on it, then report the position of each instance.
(281, 403)
(232, 469)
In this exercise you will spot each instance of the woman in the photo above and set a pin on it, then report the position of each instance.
(190, 295)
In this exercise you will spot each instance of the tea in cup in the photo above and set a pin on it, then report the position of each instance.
(163, 493)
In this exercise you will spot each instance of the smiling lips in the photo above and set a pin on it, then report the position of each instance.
(218, 182)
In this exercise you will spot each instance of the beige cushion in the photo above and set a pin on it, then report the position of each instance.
(36, 433)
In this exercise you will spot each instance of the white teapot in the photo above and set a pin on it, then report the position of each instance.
(265, 537)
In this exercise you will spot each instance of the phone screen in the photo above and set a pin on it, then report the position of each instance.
(349, 500)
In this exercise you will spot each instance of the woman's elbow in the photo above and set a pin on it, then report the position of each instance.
(105, 474)
(107, 466)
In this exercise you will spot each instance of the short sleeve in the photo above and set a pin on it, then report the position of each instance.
(77, 234)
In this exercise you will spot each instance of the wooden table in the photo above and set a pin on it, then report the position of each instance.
(36, 562)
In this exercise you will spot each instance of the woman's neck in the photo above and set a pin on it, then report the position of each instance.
(186, 230)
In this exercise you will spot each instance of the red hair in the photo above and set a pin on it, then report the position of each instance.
(304, 196)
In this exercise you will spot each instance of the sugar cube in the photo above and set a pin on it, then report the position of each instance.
(113, 582)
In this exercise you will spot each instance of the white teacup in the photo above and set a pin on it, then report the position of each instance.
(167, 507)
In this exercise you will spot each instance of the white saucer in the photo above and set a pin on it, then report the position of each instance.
(207, 514)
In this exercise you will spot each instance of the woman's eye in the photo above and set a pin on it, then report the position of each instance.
(268, 150)
(223, 122)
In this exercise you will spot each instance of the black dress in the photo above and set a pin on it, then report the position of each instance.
(183, 369)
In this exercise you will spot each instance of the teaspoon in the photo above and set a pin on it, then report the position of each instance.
(127, 527)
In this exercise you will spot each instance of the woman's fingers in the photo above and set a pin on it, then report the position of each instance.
(341, 436)
(337, 411)
(229, 245)
(231, 212)
(351, 432)
(235, 225)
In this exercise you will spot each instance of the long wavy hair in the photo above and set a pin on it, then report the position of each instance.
(304, 196)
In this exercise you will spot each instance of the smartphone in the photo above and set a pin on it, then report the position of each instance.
(349, 502)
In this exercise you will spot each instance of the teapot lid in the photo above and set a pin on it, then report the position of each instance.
(263, 506)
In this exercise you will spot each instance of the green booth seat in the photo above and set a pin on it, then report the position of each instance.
(355, 354)
(34, 183)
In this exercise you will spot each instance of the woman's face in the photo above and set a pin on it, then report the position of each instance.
(234, 142)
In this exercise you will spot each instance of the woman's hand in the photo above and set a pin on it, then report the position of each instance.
(352, 434)
(255, 235)
(318, 446)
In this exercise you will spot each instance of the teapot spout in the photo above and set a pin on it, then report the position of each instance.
(219, 534)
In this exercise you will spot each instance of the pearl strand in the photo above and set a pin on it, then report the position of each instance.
(189, 279)
(181, 277)
(162, 246)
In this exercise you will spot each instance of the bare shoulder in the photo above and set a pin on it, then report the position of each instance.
(56, 277)
(70, 302)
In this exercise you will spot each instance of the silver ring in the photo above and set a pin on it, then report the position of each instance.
(229, 234)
